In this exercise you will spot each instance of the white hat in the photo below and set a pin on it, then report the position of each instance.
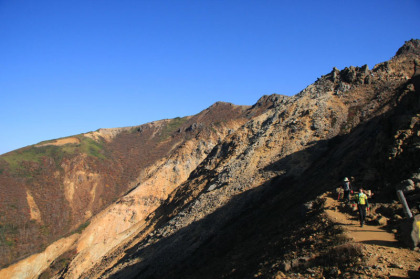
(346, 179)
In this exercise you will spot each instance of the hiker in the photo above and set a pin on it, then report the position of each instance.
(362, 203)
(347, 188)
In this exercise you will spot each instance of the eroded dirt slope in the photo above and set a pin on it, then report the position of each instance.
(52, 189)
(237, 204)
(231, 197)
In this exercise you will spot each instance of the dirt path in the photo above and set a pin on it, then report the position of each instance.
(368, 234)
(385, 258)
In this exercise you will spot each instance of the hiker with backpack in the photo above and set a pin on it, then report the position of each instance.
(362, 204)
(347, 188)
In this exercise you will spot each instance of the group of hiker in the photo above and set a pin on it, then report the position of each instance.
(360, 198)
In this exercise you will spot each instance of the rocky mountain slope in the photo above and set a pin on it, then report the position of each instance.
(52, 189)
(225, 193)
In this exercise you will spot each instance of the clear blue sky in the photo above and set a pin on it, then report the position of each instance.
(69, 67)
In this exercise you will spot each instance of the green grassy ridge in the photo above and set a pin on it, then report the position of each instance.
(35, 153)
(171, 127)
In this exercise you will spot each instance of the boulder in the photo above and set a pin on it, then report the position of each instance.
(382, 221)
(406, 185)
(285, 266)
(349, 74)
(415, 177)
(397, 217)
(212, 187)
(335, 73)
(410, 231)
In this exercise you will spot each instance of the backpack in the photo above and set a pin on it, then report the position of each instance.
(362, 198)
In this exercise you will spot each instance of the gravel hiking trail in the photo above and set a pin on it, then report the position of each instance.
(385, 257)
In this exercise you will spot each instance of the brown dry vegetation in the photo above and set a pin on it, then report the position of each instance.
(113, 168)
(232, 220)
(243, 210)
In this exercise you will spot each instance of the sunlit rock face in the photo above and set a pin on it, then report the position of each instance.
(149, 200)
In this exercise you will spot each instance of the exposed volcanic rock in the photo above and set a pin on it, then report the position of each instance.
(67, 181)
(410, 47)
(219, 194)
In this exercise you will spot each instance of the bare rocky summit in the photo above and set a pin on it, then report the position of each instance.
(232, 192)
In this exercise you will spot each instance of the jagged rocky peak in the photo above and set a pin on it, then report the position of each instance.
(338, 81)
(410, 47)
(191, 194)
(362, 75)
(272, 99)
(355, 74)
(352, 74)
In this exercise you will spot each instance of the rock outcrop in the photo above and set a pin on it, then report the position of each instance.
(220, 193)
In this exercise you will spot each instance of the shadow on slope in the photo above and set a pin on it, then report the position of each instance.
(206, 242)
(259, 227)
(237, 238)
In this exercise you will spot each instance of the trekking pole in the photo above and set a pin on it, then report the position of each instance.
(402, 199)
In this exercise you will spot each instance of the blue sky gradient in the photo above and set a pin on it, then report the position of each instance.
(69, 67)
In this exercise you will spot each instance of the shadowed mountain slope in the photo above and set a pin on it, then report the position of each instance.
(239, 209)
(50, 189)
(225, 193)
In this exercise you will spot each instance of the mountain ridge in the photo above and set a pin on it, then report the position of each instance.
(69, 164)
(229, 160)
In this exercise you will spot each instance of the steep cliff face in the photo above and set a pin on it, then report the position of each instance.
(209, 195)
